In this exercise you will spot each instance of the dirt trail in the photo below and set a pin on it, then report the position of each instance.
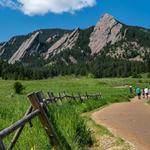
(129, 120)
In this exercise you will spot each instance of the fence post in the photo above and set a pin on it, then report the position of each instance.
(80, 97)
(44, 120)
(97, 96)
(87, 95)
(2, 146)
(40, 97)
(100, 95)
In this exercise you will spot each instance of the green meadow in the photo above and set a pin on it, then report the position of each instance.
(71, 127)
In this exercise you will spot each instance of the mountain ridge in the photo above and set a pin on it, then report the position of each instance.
(108, 37)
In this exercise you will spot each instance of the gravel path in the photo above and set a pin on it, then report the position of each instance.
(129, 120)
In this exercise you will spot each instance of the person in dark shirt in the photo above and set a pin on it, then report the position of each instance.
(138, 92)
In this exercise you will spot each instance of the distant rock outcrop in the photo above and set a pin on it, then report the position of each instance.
(106, 31)
(49, 40)
(26, 45)
(73, 60)
(2, 49)
(65, 42)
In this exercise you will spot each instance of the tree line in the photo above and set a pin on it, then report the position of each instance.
(99, 67)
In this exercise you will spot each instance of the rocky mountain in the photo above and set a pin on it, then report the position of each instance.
(118, 40)
(108, 38)
(107, 30)
(67, 41)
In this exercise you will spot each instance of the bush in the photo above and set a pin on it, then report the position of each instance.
(90, 75)
(83, 133)
(136, 75)
(18, 87)
(148, 76)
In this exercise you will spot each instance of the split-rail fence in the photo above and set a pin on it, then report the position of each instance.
(39, 108)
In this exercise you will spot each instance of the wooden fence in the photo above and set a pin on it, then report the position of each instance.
(63, 96)
(39, 108)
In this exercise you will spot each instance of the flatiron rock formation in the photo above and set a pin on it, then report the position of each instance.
(65, 42)
(106, 31)
(26, 45)
(2, 49)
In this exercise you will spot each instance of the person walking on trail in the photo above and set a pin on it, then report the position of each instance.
(146, 90)
(143, 93)
(138, 92)
(131, 89)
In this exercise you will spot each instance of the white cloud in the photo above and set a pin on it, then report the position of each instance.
(41, 7)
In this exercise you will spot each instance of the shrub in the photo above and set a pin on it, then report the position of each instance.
(83, 133)
(90, 75)
(136, 75)
(18, 87)
(148, 76)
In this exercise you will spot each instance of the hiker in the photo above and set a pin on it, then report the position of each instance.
(143, 92)
(146, 90)
(138, 92)
(130, 89)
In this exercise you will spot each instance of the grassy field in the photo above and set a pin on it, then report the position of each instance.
(69, 124)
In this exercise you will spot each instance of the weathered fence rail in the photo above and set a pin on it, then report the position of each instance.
(39, 108)
(53, 98)
(18, 124)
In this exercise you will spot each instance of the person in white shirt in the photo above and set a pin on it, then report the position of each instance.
(146, 90)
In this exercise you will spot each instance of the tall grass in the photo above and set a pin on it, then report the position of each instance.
(70, 127)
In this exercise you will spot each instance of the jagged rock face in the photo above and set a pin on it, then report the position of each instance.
(106, 31)
(73, 60)
(9, 43)
(57, 45)
(9, 48)
(25, 46)
(65, 42)
(2, 49)
(49, 40)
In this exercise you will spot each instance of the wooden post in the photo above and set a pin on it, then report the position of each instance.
(44, 120)
(100, 95)
(80, 97)
(97, 96)
(2, 146)
(40, 97)
(18, 132)
(87, 95)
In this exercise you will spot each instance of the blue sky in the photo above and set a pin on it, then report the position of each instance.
(18, 19)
